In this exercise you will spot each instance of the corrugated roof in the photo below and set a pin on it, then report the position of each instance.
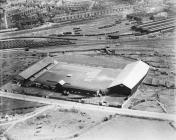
(36, 67)
(131, 74)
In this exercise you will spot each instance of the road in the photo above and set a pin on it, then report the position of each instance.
(11, 50)
(25, 117)
(68, 104)
(28, 115)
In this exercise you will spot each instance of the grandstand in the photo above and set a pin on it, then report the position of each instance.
(80, 79)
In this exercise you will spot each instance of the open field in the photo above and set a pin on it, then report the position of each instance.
(12, 62)
(57, 123)
(12, 110)
(123, 128)
(13, 106)
(61, 123)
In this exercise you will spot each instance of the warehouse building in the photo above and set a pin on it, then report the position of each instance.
(81, 79)
(155, 26)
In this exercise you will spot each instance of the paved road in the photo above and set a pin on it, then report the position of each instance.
(12, 50)
(68, 104)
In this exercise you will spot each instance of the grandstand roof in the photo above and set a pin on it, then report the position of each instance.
(131, 74)
(36, 67)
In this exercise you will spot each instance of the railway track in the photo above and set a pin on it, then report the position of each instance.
(38, 37)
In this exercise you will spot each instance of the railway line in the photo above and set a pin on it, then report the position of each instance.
(38, 37)
(145, 28)
(168, 29)
(160, 28)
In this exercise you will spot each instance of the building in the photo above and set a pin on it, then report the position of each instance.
(139, 17)
(155, 26)
(81, 79)
(85, 15)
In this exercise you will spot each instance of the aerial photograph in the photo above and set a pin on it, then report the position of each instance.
(87, 69)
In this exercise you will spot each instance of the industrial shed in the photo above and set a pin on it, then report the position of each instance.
(156, 26)
(81, 79)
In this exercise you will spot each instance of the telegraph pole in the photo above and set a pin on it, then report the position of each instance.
(2, 6)
(5, 19)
